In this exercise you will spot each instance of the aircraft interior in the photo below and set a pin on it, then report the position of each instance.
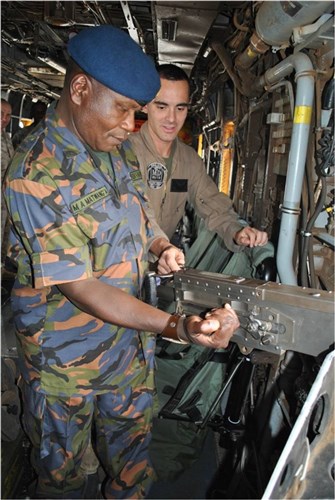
(257, 420)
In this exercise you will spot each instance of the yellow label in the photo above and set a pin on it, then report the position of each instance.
(251, 53)
(302, 114)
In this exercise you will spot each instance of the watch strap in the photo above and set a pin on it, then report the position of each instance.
(170, 330)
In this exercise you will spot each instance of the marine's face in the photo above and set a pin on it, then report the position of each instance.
(6, 113)
(168, 111)
(104, 118)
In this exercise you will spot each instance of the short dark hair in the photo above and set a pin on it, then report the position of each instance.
(172, 72)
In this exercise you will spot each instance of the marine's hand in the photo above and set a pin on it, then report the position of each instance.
(170, 260)
(251, 237)
(214, 331)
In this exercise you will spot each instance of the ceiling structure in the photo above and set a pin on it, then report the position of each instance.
(212, 41)
(35, 35)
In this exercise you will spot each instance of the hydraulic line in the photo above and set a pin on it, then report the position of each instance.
(297, 157)
(324, 159)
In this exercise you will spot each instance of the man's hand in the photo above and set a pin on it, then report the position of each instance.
(251, 237)
(170, 260)
(214, 331)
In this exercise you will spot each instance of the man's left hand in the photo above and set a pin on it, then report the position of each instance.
(251, 237)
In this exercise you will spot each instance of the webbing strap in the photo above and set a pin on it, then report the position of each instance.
(164, 354)
(184, 383)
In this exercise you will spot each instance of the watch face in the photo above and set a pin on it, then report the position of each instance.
(157, 174)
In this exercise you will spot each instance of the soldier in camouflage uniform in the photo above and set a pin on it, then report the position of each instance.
(7, 151)
(81, 232)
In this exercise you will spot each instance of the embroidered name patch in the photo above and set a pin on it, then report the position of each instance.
(157, 173)
(88, 200)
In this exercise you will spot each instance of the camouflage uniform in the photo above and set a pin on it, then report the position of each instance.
(75, 216)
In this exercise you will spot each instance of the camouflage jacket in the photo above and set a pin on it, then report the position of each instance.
(74, 216)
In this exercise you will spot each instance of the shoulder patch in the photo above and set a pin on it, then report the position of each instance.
(88, 200)
(157, 174)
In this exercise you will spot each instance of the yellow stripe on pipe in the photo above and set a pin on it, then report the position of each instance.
(302, 114)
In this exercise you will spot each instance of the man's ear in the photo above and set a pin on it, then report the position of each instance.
(145, 109)
(79, 87)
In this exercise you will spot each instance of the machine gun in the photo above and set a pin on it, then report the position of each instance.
(273, 317)
(269, 398)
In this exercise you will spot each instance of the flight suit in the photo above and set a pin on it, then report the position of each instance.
(187, 181)
(77, 214)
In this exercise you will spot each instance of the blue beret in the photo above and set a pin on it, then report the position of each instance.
(112, 58)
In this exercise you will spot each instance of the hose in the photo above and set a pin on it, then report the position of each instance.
(307, 233)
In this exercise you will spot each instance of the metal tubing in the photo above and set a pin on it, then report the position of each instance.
(297, 157)
(222, 391)
(275, 21)
(224, 57)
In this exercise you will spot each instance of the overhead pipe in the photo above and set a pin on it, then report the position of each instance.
(274, 25)
(225, 59)
(290, 209)
(275, 21)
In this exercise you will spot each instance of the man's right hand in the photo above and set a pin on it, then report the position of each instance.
(214, 331)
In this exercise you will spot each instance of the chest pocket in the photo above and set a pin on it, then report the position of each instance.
(105, 223)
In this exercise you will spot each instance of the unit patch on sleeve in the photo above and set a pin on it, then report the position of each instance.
(157, 174)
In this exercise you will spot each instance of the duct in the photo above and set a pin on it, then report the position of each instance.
(192, 22)
(302, 33)
(275, 21)
(297, 156)
(255, 48)
(320, 38)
